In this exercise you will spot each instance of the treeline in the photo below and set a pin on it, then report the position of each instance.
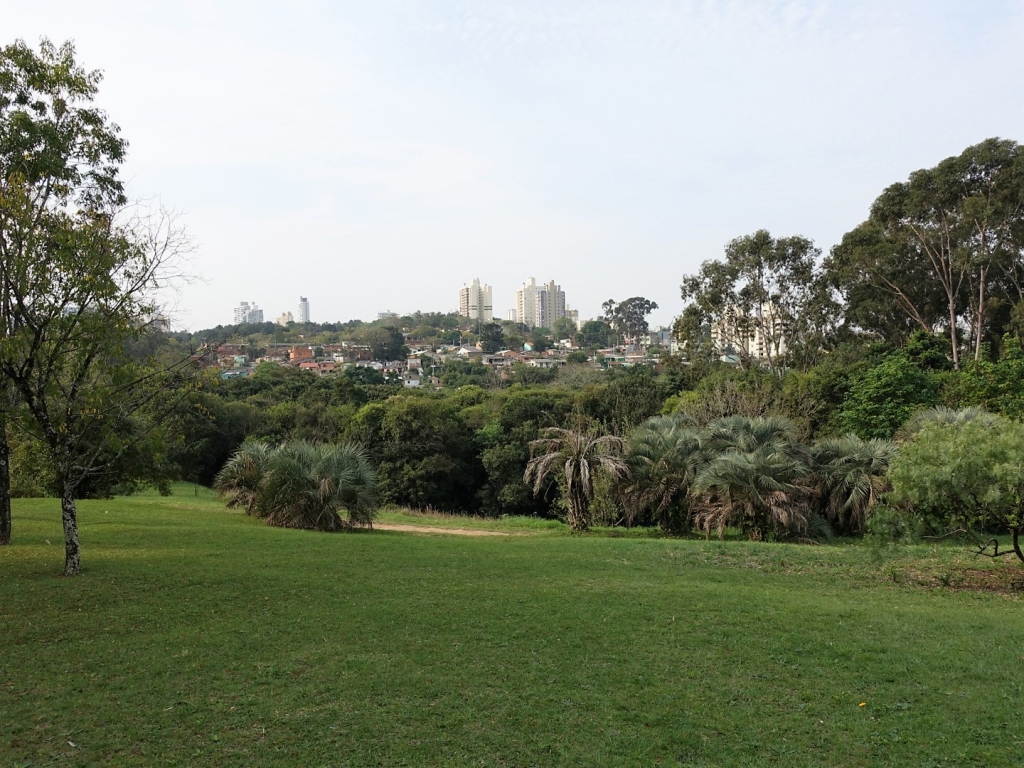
(942, 252)
(465, 449)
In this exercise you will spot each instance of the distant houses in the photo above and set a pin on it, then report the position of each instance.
(422, 366)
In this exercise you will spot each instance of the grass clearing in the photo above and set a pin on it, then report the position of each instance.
(197, 636)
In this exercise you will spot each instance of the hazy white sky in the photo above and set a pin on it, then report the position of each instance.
(377, 155)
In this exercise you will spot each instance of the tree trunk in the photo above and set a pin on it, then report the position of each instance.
(953, 334)
(981, 313)
(578, 512)
(72, 553)
(5, 486)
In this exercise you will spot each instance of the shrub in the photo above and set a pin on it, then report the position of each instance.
(300, 485)
(664, 457)
(964, 473)
(758, 478)
(882, 398)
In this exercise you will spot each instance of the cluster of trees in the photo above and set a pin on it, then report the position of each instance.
(466, 448)
(555, 450)
(431, 327)
(388, 339)
(753, 474)
(948, 472)
(942, 252)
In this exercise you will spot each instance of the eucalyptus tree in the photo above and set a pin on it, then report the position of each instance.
(766, 288)
(628, 318)
(77, 274)
(943, 243)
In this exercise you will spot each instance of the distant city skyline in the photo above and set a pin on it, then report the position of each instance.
(616, 145)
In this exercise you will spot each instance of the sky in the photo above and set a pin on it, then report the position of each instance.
(376, 156)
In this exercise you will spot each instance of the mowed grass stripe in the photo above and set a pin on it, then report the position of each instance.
(201, 637)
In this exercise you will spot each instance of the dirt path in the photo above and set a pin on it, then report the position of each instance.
(436, 529)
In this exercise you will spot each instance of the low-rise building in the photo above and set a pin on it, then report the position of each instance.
(546, 362)
(299, 354)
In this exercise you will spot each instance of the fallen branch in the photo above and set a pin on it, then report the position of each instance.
(963, 531)
(994, 543)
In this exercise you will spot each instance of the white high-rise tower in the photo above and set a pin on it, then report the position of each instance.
(475, 301)
(248, 313)
(303, 309)
(538, 306)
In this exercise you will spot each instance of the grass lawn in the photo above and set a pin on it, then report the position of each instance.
(196, 636)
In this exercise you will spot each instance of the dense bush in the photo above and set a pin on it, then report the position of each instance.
(751, 473)
(300, 485)
(883, 397)
(963, 470)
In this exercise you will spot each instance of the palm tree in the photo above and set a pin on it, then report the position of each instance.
(300, 485)
(665, 455)
(744, 434)
(241, 478)
(940, 414)
(757, 491)
(851, 477)
(758, 478)
(574, 457)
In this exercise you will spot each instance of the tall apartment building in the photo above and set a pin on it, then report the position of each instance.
(303, 309)
(538, 306)
(475, 301)
(758, 336)
(248, 313)
(284, 318)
